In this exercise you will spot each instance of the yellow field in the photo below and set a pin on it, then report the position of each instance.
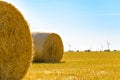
(79, 66)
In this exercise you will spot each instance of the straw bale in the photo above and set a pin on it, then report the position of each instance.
(15, 43)
(48, 47)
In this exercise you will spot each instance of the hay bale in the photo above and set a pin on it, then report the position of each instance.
(48, 47)
(15, 43)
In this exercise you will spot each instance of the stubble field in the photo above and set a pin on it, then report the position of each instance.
(78, 66)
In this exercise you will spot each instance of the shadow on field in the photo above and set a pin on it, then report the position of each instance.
(37, 62)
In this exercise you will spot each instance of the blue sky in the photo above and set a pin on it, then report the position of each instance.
(83, 24)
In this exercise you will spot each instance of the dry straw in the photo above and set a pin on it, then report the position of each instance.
(15, 43)
(48, 47)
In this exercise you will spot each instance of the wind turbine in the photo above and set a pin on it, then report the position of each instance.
(69, 47)
(108, 45)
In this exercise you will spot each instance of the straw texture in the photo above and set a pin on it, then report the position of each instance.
(15, 43)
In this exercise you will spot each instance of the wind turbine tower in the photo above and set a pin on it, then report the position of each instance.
(108, 45)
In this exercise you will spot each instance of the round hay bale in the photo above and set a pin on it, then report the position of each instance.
(15, 43)
(48, 47)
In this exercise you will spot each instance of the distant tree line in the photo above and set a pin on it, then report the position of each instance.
(88, 50)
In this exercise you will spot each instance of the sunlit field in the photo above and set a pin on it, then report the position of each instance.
(79, 66)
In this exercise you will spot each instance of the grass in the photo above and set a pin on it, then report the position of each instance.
(79, 66)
